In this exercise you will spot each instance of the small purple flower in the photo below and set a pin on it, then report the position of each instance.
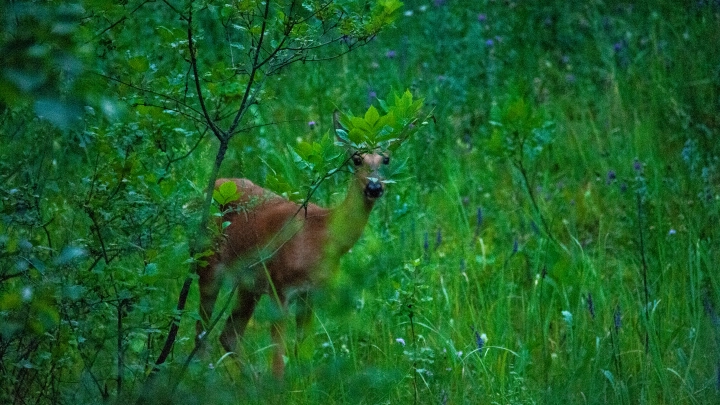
(534, 227)
(390, 54)
(480, 339)
(372, 94)
(618, 46)
(482, 17)
(611, 176)
(591, 306)
(489, 43)
(479, 217)
(637, 166)
(672, 231)
(312, 124)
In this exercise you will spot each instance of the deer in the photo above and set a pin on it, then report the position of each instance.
(282, 248)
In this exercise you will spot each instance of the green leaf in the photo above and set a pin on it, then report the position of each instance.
(342, 134)
(356, 136)
(226, 193)
(372, 116)
(139, 63)
(359, 123)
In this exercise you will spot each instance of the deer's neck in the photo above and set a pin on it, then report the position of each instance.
(347, 221)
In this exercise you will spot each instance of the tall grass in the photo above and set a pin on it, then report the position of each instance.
(587, 274)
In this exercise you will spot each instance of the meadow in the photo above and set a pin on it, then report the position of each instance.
(549, 236)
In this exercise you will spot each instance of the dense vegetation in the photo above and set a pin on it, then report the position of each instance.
(550, 235)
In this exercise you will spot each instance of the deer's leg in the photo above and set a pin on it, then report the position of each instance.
(239, 318)
(209, 284)
(303, 319)
(277, 332)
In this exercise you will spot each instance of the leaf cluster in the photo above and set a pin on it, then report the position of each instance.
(386, 129)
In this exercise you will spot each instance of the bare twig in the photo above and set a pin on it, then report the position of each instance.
(193, 63)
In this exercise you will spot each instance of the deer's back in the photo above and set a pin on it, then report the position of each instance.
(265, 225)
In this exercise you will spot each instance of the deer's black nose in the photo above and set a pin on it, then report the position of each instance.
(374, 189)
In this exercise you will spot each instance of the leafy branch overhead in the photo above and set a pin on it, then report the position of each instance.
(381, 130)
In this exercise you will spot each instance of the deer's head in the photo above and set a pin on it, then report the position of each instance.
(367, 167)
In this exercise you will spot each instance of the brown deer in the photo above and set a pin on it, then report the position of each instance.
(277, 247)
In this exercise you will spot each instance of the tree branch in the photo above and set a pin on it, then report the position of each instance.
(193, 63)
(253, 72)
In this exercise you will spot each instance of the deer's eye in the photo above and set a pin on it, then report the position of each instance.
(386, 160)
(357, 160)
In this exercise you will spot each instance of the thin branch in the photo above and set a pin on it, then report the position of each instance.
(144, 90)
(193, 63)
(177, 159)
(120, 21)
(182, 16)
(174, 110)
(251, 80)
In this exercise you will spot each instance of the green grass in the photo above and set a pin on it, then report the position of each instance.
(651, 333)
(554, 237)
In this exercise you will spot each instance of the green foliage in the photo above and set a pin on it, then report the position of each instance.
(399, 120)
(321, 160)
(226, 193)
(557, 241)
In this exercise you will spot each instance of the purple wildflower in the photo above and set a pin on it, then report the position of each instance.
(672, 231)
(479, 339)
(637, 166)
(482, 17)
(390, 54)
(489, 43)
(479, 217)
(534, 227)
(591, 306)
(618, 46)
(312, 124)
(611, 176)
